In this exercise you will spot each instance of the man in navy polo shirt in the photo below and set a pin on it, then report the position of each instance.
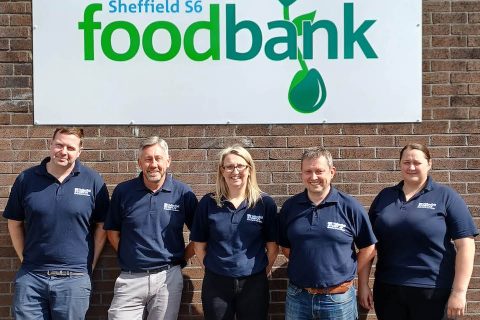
(55, 218)
(145, 226)
(319, 230)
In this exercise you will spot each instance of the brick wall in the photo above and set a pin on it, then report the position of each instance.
(365, 154)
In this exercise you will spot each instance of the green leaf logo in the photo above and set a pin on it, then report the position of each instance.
(307, 91)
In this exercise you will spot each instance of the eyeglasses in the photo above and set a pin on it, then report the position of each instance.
(232, 167)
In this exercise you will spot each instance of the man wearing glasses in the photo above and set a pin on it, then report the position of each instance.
(55, 218)
(145, 226)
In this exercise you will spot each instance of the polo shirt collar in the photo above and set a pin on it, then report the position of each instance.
(167, 184)
(42, 168)
(225, 202)
(428, 186)
(332, 196)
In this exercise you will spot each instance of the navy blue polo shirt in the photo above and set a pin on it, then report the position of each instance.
(415, 245)
(58, 216)
(235, 237)
(150, 223)
(322, 238)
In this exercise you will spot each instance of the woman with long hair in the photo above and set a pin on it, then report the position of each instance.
(234, 235)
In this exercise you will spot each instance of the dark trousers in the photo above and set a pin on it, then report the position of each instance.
(409, 303)
(227, 298)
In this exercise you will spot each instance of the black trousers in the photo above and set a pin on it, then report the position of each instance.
(227, 298)
(409, 303)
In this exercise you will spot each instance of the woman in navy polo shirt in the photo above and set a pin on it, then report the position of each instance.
(425, 244)
(234, 234)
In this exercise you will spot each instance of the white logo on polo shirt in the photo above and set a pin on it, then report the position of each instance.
(336, 226)
(171, 207)
(82, 192)
(251, 217)
(426, 205)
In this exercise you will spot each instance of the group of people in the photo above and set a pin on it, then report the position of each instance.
(60, 215)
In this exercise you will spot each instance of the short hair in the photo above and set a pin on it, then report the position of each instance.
(416, 146)
(151, 141)
(78, 132)
(316, 153)
(253, 192)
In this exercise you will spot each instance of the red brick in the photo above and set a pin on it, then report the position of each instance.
(219, 130)
(449, 89)
(161, 131)
(355, 153)
(436, 77)
(386, 129)
(324, 129)
(468, 53)
(429, 127)
(290, 130)
(13, 7)
(401, 141)
(435, 102)
(14, 32)
(436, 29)
(474, 89)
(340, 141)
(304, 142)
(437, 53)
(473, 65)
(449, 65)
(22, 118)
(465, 101)
(436, 6)
(23, 69)
(465, 77)
(455, 17)
(462, 126)
(426, 18)
(455, 140)
(20, 20)
(473, 41)
(253, 130)
(465, 6)
(5, 119)
(465, 152)
(6, 69)
(465, 29)
(450, 113)
(473, 17)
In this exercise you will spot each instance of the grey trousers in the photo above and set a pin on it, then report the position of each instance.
(147, 296)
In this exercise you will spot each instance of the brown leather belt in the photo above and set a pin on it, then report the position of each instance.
(341, 288)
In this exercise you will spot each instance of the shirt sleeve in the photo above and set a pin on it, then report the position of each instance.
(113, 219)
(102, 201)
(459, 220)
(372, 211)
(271, 225)
(14, 209)
(199, 231)
(191, 202)
(282, 228)
(364, 234)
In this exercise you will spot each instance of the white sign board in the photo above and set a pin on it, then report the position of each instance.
(235, 61)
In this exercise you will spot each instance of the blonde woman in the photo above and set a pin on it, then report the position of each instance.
(234, 235)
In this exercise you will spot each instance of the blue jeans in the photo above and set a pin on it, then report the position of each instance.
(301, 305)
(42, 297)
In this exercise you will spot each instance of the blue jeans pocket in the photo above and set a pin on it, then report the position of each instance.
(293, 290)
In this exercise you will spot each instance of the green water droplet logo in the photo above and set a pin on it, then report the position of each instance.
(307, 91)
